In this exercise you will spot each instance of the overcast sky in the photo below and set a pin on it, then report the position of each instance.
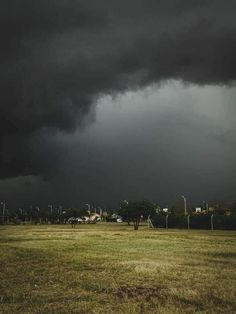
(104, 100)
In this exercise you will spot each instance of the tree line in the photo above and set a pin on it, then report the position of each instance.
(134, 213)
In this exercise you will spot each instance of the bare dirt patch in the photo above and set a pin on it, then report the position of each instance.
(144, 293)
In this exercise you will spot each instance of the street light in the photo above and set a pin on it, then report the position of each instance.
(185, 204)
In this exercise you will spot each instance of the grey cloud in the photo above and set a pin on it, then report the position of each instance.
(174, 144)
(59, 57)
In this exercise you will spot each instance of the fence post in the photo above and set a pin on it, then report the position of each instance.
(188, 221)
(212, 222)
(150, 224)
(166, 221)
(3, 212)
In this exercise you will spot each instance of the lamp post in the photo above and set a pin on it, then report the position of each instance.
(185, 204)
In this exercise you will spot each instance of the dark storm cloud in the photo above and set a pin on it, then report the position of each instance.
(59, 56)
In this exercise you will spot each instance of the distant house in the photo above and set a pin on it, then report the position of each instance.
(115, 218)
(95, 216)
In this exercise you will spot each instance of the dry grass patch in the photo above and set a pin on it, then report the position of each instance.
(109, 268)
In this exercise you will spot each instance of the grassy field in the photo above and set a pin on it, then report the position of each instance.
(109, 268)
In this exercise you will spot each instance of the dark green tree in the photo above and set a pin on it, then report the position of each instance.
(135, 211)
(75, 212)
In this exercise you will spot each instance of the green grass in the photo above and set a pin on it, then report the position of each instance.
(110, 268)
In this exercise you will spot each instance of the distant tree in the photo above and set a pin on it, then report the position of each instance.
(75, 212)
(233, 210)
(135, 211)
